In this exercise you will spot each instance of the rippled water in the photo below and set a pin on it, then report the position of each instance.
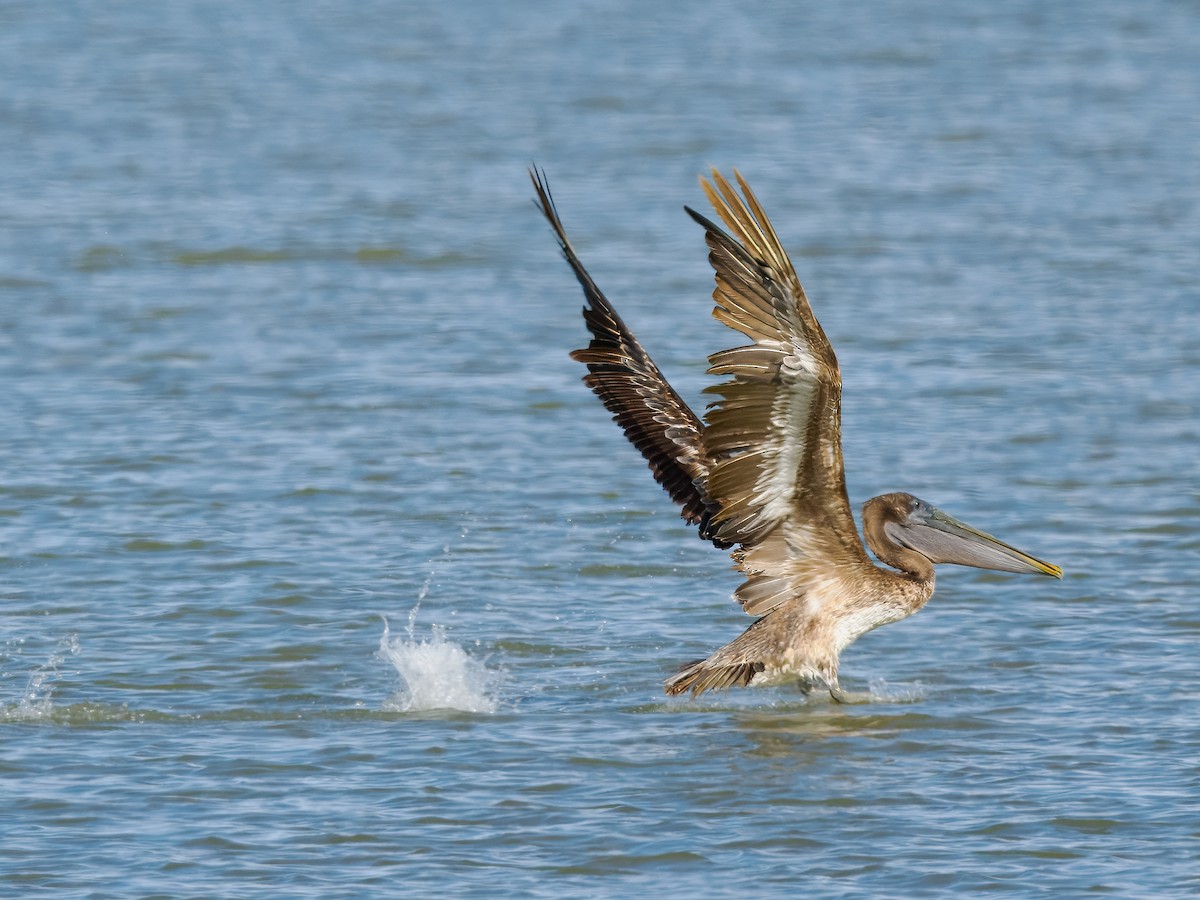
(284, 347)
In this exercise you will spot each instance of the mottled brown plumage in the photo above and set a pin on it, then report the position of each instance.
(763, 471)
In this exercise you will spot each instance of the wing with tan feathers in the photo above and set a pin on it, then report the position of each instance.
(774, 434)
(642, 402)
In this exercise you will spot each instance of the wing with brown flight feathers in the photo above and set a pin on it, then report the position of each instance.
(764, 468)
(643, 403)
(774, 434)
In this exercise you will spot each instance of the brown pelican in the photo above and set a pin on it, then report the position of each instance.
(762, 472)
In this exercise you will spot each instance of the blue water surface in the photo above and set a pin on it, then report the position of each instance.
(284, 347)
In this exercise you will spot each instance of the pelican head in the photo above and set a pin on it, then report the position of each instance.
(898, 522)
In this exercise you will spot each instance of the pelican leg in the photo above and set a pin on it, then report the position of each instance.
(835, 690)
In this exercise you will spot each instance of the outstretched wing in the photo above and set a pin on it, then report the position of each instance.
(774, 434)
(625, 378)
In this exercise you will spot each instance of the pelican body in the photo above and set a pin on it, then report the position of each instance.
(762, 472)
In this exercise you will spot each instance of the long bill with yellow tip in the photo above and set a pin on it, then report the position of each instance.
(943, 539)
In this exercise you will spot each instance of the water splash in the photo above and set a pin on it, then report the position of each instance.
(885, 692)
(437, 673)
(35, 703)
